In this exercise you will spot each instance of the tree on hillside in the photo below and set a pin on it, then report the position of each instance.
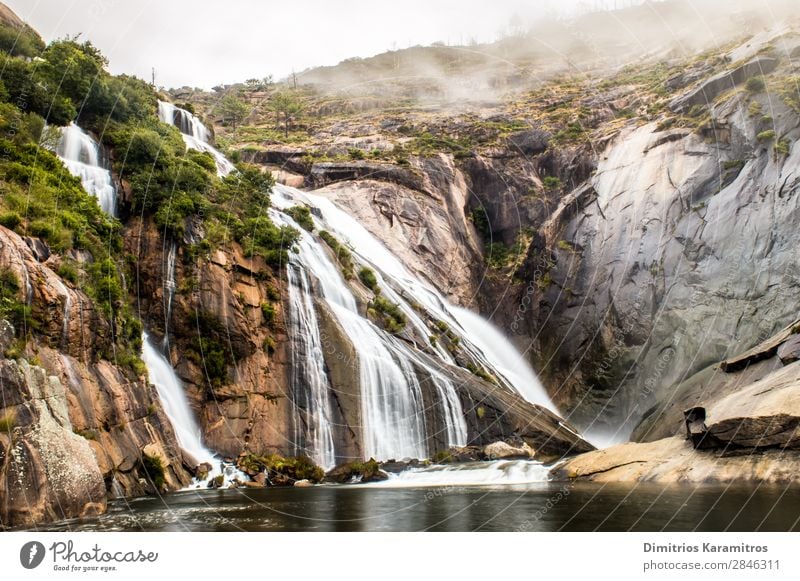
(233, 109)
(285, 104)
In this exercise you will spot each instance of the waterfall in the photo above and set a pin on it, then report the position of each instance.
(169, 291)
(170, 392)
(391, 399)
(479, 337)
(83, 157)
(194, 133)
(309, 379)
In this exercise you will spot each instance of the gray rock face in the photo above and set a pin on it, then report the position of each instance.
(725, 81)
(424, 226)
(676, 264)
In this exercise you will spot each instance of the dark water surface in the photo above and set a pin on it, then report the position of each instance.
(533, 507)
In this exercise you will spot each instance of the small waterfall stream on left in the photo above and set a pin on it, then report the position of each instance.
(176, 406)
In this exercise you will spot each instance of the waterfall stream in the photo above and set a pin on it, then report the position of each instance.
(169, 290)
(83, 157)
(176, 406)
(194, 133)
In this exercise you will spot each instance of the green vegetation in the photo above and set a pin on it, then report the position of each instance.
(768, 135)
(7, 422)
(367, 277)
(551, 182)
(268, 314)
(12, 308)
(479, 371)
(428, 144)
(343, 255)
(498, 255)
(756, 85)
(282, 470)
(387, 314)
(154, 469)
(286, 105)
(302, 215)
(234, 110)
(207, 349)
(480, 220)
(782, 147)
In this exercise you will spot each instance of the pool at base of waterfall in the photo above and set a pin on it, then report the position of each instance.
(531, 507)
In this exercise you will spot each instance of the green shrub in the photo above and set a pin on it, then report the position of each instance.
(343, 255)
(10, 220)
(782, 147)
(368, 278)
(154, 469)
(756, 85)
(551, 182)
(302, 215)
(355, 153)
(768, 135)
(268, 313)
(387, 314)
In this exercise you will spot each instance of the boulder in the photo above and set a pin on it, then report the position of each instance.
(304, 483)
(674, 460)
(764, 414)
(789, 352)
(502, 450)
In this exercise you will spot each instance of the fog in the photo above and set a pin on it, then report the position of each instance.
(482, 47)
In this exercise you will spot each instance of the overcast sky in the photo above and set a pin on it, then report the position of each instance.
(206, 42)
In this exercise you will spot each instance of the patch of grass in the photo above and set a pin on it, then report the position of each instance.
(564, 245)
(551, 182)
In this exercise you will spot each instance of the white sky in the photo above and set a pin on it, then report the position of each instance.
(207, 42)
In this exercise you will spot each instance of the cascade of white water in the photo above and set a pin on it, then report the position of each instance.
(391, 397)
(176, 406)
(309, 378)
(82, 156)
(478, 336)
(169, 290)
(194, 133)
(497, 473)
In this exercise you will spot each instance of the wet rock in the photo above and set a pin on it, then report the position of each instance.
(502, 451)
(368, 471)
(39, 248)
(202, 471)
(303, 483)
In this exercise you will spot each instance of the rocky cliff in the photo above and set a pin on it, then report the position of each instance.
(75, 427)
